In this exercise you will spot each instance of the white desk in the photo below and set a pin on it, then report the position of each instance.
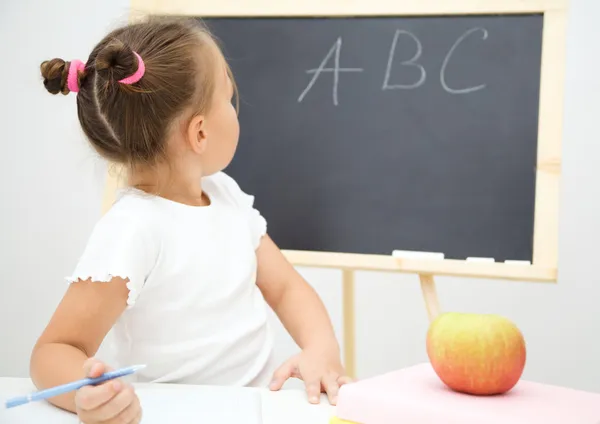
(285, 406)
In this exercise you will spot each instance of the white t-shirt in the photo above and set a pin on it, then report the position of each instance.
(195, 314)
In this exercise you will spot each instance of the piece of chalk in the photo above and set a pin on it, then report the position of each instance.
(473, 259)
(510, 262)
(413, 254)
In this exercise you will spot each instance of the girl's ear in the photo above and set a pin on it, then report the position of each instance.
(197, 138)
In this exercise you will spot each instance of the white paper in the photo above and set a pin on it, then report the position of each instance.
(200, 405)
(162, 404)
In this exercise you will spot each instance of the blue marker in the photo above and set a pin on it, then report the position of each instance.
(69, 387)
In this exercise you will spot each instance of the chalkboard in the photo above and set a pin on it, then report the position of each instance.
(371, 134)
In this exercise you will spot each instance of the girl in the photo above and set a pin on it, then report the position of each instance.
(181, 267)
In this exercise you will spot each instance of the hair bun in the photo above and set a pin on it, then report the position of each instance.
(55, 74)
(115, 61)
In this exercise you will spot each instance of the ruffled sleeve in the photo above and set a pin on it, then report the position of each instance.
(245, 202)
(118, 247)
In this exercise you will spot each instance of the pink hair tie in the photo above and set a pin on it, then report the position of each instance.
(72, 80)
(138, 74)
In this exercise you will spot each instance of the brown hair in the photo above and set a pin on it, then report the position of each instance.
(129, 124)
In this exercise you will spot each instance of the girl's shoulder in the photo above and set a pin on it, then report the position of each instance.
(125, 242)
(228, 190)
(132, 206)
(222, 185)
(133, 214)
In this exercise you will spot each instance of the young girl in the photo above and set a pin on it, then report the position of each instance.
(181, 267)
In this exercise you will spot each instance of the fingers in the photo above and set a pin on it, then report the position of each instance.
(316, 378)
(344, 380)
(125, 408)
(313, 388)
(106, 403)
(89, 398)
(130, 415)
(331, 386)
(332, 383)
(311, 378)
(138, 418)
(94, 368)
(282, 374)
(122, 401)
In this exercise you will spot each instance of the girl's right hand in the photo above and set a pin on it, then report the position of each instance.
(111, 402)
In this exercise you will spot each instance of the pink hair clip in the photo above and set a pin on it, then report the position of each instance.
(138, 74)
(72, 82)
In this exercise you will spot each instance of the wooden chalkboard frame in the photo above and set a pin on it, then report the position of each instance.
(544, 266)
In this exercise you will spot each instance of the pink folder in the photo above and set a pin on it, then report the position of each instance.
(416, 395)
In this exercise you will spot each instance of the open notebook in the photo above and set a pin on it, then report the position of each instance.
(161, 404)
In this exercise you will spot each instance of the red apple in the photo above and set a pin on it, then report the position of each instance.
(478, 354)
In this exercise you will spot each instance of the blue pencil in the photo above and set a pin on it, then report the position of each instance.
(69, 387)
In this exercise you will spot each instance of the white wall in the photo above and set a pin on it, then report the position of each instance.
(51, 187)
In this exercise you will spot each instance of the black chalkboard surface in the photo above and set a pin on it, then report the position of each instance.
(370, 134)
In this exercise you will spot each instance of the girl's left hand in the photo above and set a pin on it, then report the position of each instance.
(321, 371)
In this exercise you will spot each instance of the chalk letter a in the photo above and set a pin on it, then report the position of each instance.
(334, 51)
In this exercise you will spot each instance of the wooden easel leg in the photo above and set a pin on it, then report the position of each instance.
(430, 296)
(349, 322)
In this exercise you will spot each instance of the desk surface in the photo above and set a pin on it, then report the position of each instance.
(285, 406)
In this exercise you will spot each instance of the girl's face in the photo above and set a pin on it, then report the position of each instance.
(221, 126)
